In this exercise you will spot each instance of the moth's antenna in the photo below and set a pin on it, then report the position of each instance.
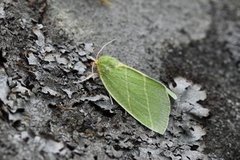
(104, 47)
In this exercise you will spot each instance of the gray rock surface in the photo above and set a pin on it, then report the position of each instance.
(46, 49)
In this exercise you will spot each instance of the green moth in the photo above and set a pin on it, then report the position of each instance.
(142, 97)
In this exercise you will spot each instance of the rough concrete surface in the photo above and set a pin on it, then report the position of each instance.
(46, 48)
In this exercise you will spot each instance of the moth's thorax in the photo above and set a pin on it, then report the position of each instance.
(106, 63)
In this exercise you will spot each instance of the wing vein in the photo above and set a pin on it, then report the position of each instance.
(127, 88)
(146, 95)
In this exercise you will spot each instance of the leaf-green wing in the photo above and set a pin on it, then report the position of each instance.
(141, 96)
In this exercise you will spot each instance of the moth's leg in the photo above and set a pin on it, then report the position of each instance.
(88, 77)
(110, 97)
(91, 75)
(92, 64)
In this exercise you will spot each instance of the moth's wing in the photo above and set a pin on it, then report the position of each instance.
(141, 96)
(173, 95)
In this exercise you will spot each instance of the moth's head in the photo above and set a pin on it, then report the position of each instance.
(107, 61)
(102, 59)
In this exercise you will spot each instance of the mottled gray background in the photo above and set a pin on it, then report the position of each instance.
(197, 40)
